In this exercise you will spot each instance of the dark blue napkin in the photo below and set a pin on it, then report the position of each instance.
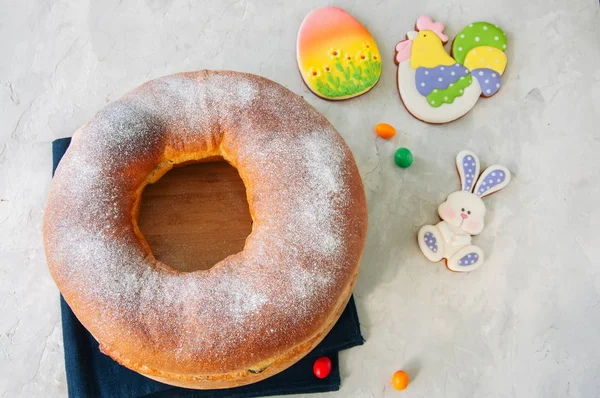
(93, 374)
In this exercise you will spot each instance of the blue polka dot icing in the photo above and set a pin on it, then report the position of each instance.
(489, 80)
(469, 168)
(431, 242)
(438, 78)
(469, 259)
(490, 180)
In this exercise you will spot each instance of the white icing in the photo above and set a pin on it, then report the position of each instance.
(418, 106)
(462, 215)
(472, 203)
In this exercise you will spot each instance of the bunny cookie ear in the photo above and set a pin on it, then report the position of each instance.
(493, 179)
(468, 169)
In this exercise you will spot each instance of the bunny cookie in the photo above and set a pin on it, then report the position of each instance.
(462, 214)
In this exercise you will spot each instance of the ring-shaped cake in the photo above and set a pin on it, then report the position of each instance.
(254, 313)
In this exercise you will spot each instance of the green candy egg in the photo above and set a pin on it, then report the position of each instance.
(403, 158)
(475, 35)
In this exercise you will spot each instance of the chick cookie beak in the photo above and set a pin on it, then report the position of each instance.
(412, 35)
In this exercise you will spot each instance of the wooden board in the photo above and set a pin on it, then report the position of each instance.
(196, 215)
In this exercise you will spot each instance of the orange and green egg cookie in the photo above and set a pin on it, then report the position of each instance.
(337, 56)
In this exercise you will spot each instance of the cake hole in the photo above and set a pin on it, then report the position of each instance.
(195, 215)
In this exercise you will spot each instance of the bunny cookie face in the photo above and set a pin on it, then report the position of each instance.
(463, 210)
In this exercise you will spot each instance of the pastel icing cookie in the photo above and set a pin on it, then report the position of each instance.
(463, 215)
(437, 87)
(337, 56)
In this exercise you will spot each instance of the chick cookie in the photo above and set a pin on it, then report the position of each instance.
(463, 214)
(437, 87)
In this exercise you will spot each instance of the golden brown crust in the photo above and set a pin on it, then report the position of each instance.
(263, 371)
(254, 313)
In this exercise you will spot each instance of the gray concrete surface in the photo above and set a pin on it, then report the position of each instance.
(526, 324)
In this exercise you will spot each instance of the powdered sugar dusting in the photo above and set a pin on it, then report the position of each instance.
(274, 294)
(233, 92)
(244, 299)
(313, 171)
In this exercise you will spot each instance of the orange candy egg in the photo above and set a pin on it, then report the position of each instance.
(385, 130)
(400, 380)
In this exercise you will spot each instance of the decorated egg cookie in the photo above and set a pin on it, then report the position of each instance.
(437, 87)
(337, 56)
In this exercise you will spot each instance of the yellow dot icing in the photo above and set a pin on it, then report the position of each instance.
(486, 57)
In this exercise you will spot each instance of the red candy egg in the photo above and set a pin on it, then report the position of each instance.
(322, 367)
